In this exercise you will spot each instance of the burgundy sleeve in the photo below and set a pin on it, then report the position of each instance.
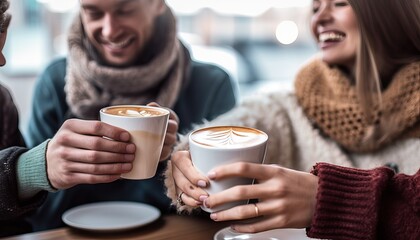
(365, 204)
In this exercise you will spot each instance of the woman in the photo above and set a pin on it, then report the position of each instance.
(356, 108)
(77, 154)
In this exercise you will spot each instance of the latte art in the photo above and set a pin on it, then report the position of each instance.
(134, 113)
(228, 137)
(131, 111)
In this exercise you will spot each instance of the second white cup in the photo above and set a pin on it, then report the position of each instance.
(214, 146)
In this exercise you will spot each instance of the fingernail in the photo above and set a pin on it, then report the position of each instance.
(201, 183)
(131, 148)
(206, 204)
(203, 198)
(125, 136)
(213, 216)
(211, 175)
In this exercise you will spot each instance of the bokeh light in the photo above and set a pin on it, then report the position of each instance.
(287, 32)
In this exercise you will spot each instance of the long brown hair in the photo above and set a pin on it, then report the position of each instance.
(390, 39)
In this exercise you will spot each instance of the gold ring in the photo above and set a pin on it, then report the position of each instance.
(257, 212)
(179, 199)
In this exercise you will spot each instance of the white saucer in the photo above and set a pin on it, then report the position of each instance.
(110, 216)
(276, 234)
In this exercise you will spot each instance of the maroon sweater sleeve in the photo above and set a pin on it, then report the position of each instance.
(365, 204)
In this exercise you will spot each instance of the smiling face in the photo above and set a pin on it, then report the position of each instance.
(120, 29)
(336, 31)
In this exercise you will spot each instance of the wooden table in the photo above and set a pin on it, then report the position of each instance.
(166, 227)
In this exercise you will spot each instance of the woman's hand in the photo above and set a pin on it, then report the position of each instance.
(171, 131)
(188, 181)
(286, 197)
(82, 152)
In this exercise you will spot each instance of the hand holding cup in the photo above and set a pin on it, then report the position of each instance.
(216, 146)
(81, 152)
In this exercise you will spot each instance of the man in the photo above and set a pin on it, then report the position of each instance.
(122, 52)
(28, 174)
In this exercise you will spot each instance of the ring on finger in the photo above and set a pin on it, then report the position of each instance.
(257, 211)
(179, 199)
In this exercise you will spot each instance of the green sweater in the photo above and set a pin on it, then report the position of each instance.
(31, 172)
(209, 93)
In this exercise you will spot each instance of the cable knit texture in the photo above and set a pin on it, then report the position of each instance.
(91, 86)
(365, 204)
(330, 101)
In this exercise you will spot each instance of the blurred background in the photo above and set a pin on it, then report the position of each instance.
(260, 43)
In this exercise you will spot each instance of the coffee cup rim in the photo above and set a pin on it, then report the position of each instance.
(163, 110)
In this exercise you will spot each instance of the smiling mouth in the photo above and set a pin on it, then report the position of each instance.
(118, 45)
(330, 37)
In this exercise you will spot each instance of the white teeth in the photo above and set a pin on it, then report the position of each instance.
(330, 36)
(119, 44)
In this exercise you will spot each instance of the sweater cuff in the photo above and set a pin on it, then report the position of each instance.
(32, 173)
(347, 202)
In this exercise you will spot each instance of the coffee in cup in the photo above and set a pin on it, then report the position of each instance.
(214, 146)
(147, 127)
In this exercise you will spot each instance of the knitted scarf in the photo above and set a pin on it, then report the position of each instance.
(330, 101)
(91, 85)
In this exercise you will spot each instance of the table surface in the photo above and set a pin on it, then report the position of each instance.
(166, 227)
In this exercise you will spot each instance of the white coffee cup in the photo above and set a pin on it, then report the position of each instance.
(214, 146)
(147, 127)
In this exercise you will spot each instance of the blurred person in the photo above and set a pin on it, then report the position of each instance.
(355, 112)
(122, 52)
(26, 174)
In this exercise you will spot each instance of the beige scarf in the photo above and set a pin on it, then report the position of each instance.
(91, 86)
(330, 102)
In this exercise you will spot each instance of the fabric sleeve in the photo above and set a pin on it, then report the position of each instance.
(365, 204)
(209, 93)
(32, 173)
(48, 111)
(223, 99)
(11, 207)
(9, 121)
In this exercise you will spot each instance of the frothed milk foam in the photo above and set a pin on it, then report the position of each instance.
(133, 111)
(228, 137)
(147, 127)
